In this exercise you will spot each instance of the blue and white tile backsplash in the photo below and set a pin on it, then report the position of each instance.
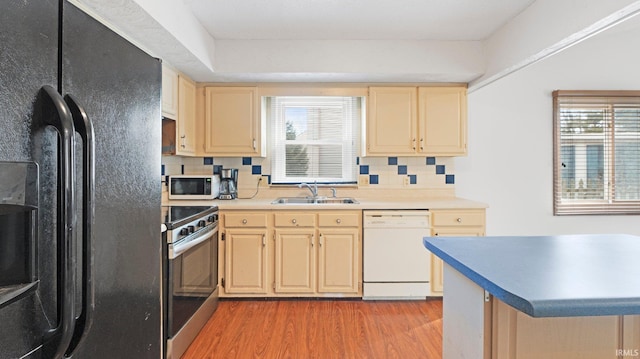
(382, 172)
(421, 172)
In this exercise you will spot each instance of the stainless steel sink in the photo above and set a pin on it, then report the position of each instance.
(314, 200)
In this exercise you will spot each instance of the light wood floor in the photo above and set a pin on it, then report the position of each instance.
(303, 329)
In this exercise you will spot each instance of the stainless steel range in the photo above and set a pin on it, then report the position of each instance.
(190, 273)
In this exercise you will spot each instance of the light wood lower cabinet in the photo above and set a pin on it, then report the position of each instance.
(244, 247)
(320, 258)
(246, 261)
(305, 254)
(295, 260)
(338, 260)
(453, 223)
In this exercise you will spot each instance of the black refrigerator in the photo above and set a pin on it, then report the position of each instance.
(80, 270)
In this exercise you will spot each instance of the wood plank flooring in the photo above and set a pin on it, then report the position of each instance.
(321, 329)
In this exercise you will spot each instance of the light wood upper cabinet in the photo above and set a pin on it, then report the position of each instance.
(442, 121)
(232, 122)
(186, 126)
(392, 121)
(169, 93)
(410, 121)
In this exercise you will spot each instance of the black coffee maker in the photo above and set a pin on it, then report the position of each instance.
(228, 183)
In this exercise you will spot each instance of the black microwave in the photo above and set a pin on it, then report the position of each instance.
(194, 187)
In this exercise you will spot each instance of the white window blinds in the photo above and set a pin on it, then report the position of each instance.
(313, 138)
(596, 152)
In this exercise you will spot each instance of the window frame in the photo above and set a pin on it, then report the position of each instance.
(277, 130)
(608, 205)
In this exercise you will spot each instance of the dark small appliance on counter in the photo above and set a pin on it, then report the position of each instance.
(229, 183)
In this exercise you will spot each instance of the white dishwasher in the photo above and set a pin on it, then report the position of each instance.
(396, 265)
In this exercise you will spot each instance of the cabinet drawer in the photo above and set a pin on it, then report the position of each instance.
(338, 220)
(245, 220)
(458, 218)
(295, 220)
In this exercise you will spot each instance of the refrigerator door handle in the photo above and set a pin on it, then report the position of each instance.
(84, 127)
(66, 219)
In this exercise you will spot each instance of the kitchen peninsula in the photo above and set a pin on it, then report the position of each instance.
(569, 296)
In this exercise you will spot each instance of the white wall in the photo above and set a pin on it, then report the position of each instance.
(510, 136)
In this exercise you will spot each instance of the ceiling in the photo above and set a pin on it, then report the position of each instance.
(365, 41)
(450, 20)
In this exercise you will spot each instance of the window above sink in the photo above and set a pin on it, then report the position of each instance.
(314, 138)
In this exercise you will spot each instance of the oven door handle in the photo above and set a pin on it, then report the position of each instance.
(175, 253)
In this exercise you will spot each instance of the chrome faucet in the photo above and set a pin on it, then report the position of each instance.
(314, 189)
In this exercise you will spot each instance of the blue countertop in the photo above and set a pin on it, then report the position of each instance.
(551, 276)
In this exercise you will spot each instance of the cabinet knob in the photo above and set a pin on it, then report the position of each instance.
(294, 221)
(244, 221)
(338, 221)
(459, 220)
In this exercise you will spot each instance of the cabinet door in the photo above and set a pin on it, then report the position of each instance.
(443, 121)
(169, 93)
(338, 260)
(245, 261)
(436, 263)
(392, 121)
(232, 125)
(295, 261)
(186, 131)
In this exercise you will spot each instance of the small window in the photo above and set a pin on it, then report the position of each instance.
(314, 138)
(596, 152)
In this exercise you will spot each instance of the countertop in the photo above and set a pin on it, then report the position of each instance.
(364, 203)
(551, 276)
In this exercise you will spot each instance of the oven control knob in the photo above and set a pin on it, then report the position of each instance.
(191, 229)
(211, 219)
(184, 232)
(202, 223)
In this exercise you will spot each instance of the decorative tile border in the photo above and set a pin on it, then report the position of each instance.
(399, 168)
(386, 172)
